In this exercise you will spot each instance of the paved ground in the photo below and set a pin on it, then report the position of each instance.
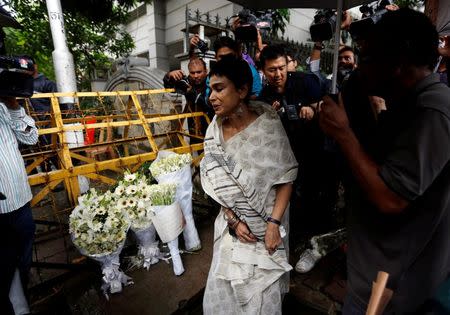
(159, 291)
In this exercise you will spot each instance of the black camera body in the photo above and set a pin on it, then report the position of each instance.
(181, 86)
(16, 76)
(371, 15)
(249, 23)
(202, 46)
(324, 25)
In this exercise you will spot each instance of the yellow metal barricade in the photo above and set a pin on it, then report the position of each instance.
(128, 133)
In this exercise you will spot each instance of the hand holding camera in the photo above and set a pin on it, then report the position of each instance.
(176, 75)
(179, 81)
(196, 41)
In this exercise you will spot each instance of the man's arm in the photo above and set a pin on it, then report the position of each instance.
(334, 122)
(171, 77)
(21, 124)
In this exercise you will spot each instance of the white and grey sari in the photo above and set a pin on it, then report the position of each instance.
(242, 174)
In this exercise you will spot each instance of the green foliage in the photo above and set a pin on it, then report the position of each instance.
(92, 39)
(279, 19)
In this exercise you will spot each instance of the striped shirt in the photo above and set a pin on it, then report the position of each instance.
(15, 126)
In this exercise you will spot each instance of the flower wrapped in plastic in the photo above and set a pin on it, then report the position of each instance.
(170, 167)
(168, 220)
(98, 229)
(133, 195)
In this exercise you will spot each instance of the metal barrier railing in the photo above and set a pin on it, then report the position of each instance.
(129, 128)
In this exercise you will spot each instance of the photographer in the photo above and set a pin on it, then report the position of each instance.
(225, 46)
(16, 222)
(193, 87)
(291, 94)
(399, 185)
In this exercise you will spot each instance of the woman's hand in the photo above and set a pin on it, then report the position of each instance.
(243, 233)
(273, 237)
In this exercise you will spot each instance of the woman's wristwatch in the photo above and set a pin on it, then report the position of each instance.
(272, 220)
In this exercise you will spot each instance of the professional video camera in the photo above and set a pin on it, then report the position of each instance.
(16, 76)
(15, 72)
(250, 21)
(324, 25)
(371, 14)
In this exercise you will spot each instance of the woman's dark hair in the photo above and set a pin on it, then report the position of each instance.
(404, 36)
(225, 41)
(236, 70)
(272, 52)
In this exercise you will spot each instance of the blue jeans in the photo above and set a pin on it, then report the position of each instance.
(16, 244)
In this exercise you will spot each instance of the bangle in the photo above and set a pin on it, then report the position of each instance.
(275, 221)
(235, 224)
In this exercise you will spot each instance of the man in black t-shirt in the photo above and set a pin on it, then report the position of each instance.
(293, 95)
(399, 194)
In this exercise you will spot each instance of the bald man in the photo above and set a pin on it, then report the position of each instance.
(195, 91)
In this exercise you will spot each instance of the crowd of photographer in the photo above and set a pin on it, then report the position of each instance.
(378, 141)
(384, 139)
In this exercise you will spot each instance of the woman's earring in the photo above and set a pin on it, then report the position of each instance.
(239, 110)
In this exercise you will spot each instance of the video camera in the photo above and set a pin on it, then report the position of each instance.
(371, 14)
(15, 72)
(324, 25)
(250, 21)
(16, 76)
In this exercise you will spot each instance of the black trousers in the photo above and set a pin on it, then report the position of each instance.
(17, 230)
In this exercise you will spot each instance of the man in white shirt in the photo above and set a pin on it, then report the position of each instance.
(16, 222)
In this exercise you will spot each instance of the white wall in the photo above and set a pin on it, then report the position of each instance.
(298, 27)
(162, 24)
(175, 10)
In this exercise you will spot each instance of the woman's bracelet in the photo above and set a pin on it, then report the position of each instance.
(233, 221)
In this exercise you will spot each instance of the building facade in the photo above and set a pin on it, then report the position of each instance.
(157, 28)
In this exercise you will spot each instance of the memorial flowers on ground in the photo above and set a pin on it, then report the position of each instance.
(98, 227)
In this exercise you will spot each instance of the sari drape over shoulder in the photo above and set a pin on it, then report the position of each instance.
(242, 174)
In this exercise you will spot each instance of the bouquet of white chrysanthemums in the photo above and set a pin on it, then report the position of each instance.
(99, 228)
(97, 225)
(170, 167)
(170, 163)
(133, 196)
(168, 220)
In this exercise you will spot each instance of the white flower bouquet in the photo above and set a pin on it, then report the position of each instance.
(97, 225)
(170, 167)
(133, 193)
(169, 163)
(133, 197)
(99, 229)
(168, 220)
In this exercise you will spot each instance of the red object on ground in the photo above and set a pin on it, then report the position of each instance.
(90, 133)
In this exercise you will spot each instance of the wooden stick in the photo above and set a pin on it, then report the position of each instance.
(377, 292)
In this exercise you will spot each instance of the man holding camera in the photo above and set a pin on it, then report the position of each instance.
(398, 193)
(16, 222)
(193, 87)
(291, 94)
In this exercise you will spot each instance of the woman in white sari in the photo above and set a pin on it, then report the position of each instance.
(248, 168)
